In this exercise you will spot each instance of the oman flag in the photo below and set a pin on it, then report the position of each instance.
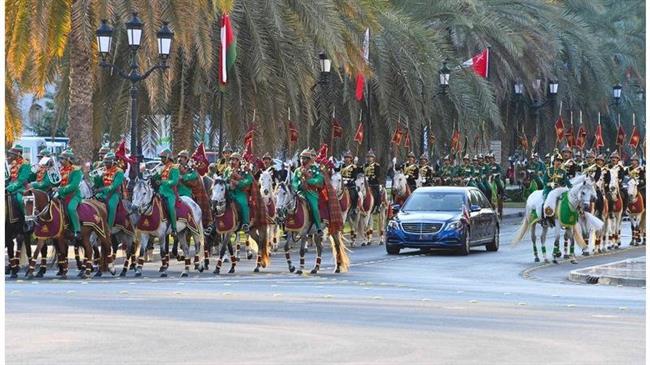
(598, 142)
(620, 136)
(635, 138)
(361, 81)
(559, 129)
(358, 136)
(480, 63)
(228, 49)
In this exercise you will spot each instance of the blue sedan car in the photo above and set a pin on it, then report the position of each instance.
(443, 217)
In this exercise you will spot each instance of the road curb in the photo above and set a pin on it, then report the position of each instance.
(582, 276)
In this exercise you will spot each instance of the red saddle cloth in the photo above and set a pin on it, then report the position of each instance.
(150, 222)
(324, 210)
(297, 221)
(91, 214)
(122, 218)
(637, 206)
(228, 221)
(367, 204)
(51, 225)
(344, 202)
(184, 214)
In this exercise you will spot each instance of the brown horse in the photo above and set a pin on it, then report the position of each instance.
(14, 229)
(50, 223)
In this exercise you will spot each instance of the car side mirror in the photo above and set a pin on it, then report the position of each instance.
(395, 208)
(475, 208)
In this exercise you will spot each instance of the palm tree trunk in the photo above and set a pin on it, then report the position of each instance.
(80, 125)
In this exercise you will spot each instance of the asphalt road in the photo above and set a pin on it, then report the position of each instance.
(413, 308)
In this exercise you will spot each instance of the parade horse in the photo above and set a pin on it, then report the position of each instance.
(228, 223)
(268, 197)
(343, 196)
(15, 230)
(601, 211)
(400, 190)
(568, 205)
(154, 221)
(293, 212)
(494, 197)
(636, 209)
(49, 218)
(367, 206)
(615, 208)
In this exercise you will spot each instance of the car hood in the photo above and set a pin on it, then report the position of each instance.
(426, 216)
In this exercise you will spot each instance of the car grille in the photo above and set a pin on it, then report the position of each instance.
(421, 227)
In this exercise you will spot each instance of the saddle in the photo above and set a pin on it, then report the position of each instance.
(122, 218)
(297, 221)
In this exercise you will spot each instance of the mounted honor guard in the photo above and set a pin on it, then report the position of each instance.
(569, 164)
(224, 161)
(349, 173)
(187, 174)
(167, 180)
(411, 171)
(69, 192)
(466, 170)
(494, 170)
(447, 171)
(239, 183)
(555, 176)
(109, 188)
(103, 150)
(308, 182)
(191, 185)
(20, 172)
(42, 179)
(637, 172)
(372, 171)
(425, 171)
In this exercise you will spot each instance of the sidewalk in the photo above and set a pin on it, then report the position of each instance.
(630, 272)
(513, 213)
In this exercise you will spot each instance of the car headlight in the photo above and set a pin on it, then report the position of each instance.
(393, 224)
(454, 225)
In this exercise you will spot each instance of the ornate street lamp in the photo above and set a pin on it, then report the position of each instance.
(616, 92)
(444, 76)
(552, 87)
(640, 94)
(519, 88)
(134, 29)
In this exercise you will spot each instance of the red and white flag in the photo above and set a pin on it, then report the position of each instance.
(559, 129)
(480, 63)
(228, 49)
(293, 133)
(407, 140)
(620, 136)
(358, 136)
(361, 80)
(581, 138)
(397, 137)
(598, 142)
(635, 138)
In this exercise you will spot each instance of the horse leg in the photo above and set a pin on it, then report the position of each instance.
(9, 244)
(556, 243)
(369, 228)
(77, 258)
(533, 237)
(32, 259)
(222, 251)
(303, 243)
(88, 259)
(61, 254)
(206, 250)
(43, 266)
(569, 233)
(543, 243)
(182, 238)
(141, 250)
(233, 258)
(319, 252)
(566, 246)
(287, 254)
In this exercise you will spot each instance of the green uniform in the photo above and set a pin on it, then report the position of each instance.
(168, 178)
(554, 178)
(187, 175)
(109, 191)
(310, 190)
(42, 180)
(71, 177)
(20, 174)
(495, 169)
(239, 193)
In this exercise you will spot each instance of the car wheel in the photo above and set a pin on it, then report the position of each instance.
(392, 250)
(494, 245)
(464, 250)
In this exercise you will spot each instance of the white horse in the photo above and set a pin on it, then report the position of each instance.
(615, 207)
(144, 201)
(636, 209)
(218, 202)
(365, 204)
(400, 189)
(268, 196)
(566, 211)
(342, 194)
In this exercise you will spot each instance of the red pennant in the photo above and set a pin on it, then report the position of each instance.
(570, 139)
(620, 136)
(480, 63)
(322, 154)
(397, 137)
(248, 151)
(407, 140)
(358, 92)
(559, 129)
(358, 136)
(337, 129)
(250, 133)
(293, 133)
(201, 159)
(581, 138)
(598, 142)
(524, 142)
(120, 154)
(455, 140)
(635, 138)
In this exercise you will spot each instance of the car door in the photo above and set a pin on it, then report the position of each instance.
(487, 217)
(475, 218)
(482, 216)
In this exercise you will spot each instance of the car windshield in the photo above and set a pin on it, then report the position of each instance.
(434, 201)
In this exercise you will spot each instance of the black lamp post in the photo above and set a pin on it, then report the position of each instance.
(322, 99)
(134, 32)
(444, 77)
(537, 105)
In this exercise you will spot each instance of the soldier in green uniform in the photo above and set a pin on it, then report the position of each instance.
(167, 180)
(109, 191)
(447, 171)
(222, 163)
(466, 170)
(372, 171)
(349, 173)
(239, 182)
(187, 173)
(555, 176)
(68, 191)
(308, 182)
(20, 172)
(411, 171)
(425, 171)
(494, 170)
(41, 180)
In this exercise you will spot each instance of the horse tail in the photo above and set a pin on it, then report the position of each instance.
(340, 252)
(23, 254)
(264, 254)
(253, 244)
(521, 232)
(593, 223)
(577, 235)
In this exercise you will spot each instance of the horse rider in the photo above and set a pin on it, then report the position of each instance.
(411, 171)
(191, 185)
(635, 170)
(222, 163)
(494, 170)
(167, 181)
(372, 171)
(41, 180)
(569, 164)
(20, 172)
(239, 182)
(466, 170)
(108, 186)
(349, 173)
(308, 182)
(68, 191)
(447, 171)
(425, 170)
(555, 176)
(589, 160)
(103, 150)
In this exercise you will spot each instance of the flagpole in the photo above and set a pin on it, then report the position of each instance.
(221, 117)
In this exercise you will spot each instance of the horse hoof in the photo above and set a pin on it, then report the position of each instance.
(63, 277)
(123, 272)
(313, 271)
(138, 273)
(566, 257)
(292, 268)
(616, 247)
(555, 261)
(536, 259)
(29, 275)
(337, 271)
(257, 269)
(40, 273)
(249, 256)
(98, 274)
(363, 244)
(216, 271)
(162, 268)
(13, 276)
(164, 274)
(196, 267)
(7, 269)
(298, 272)
(231, 271)
(546, 261)
(574, 261)
(59, 273)
(81, 268)
(85, 276)
(132, 267)
(184, 274)
(201, 268)
(180, 258)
